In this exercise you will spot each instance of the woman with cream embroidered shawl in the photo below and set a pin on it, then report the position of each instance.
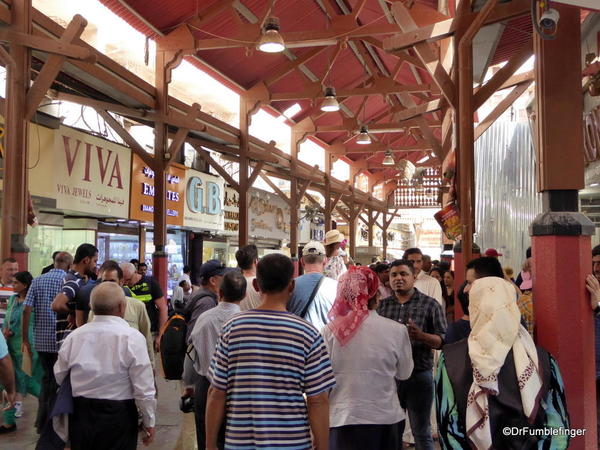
(497, 378)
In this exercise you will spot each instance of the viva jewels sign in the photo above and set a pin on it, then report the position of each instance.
(91, 174)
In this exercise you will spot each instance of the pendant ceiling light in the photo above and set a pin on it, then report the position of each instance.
(388, 159)
(363, 137)
(330, 102)
(271, 41)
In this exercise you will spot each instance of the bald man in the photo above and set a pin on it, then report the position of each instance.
(147, 290)
(110, 374)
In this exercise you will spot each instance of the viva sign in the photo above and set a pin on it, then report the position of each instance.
(203, 201)
(91, 174)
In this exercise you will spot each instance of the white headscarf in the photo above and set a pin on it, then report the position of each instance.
(495, 330)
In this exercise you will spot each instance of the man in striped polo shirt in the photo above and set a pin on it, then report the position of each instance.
(265, 360)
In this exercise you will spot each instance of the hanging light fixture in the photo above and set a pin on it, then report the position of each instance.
(423, 159)
(363, 137)
(271, 41)
(388, 159)
(330, 102)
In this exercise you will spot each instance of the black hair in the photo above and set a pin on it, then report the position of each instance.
(142, 264)
(596, 251)
(463, 298)
(381, 267)
(10, 260)
(111, 265)
(24, 277)
(403, 262)
(233, 286)
(54, 254)
(444, 265)
(84, 251)
(274, 273)
(412, 251)
(182, 283)
(134, 261)
(486, 266)
(528, 252)
(187, 269)
(439, 270)
(246, 256)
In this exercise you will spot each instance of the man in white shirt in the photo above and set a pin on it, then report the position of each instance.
(314, 293)
(247, 258)
(204, 337)
(110, 374)
(424, 283)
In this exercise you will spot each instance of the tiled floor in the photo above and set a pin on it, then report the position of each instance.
(175, 430)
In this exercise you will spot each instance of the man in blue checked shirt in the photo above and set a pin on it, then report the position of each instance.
(39, 299)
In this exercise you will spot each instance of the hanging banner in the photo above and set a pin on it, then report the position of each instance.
(449, 219)
(204, 197)
(91, 175)
(142, 192)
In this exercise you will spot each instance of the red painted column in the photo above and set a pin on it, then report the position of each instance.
(561, 246)
(160, 269)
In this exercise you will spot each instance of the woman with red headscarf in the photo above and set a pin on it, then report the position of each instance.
(368, 353)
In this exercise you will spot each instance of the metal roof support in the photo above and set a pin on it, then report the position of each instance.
(465, 155)
(328, 203)
(14, 207)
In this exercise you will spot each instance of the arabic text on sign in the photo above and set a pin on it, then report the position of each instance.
(171, 179)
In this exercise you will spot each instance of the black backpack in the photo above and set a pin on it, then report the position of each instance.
(173, 347)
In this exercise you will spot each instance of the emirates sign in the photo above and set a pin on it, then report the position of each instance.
(591, 135)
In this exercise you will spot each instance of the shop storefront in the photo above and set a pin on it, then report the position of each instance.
(204, 215)
(268, 223)
(75, 179)
(118, 241)
(141, 208)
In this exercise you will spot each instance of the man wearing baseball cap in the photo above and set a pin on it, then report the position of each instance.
(492, 252)
(314, 293)
(211, 274)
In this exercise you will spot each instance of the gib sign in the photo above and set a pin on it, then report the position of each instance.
(204, 196)
(91, 175)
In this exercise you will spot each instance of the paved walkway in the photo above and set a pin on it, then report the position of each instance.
(175, 430)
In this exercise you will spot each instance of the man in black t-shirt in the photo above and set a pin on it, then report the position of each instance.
(64, 303)
(146, 289)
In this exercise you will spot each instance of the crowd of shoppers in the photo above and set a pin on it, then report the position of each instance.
(341, 357)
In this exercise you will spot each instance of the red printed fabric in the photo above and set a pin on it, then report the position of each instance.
(350, 309)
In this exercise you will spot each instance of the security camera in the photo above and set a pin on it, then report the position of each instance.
(549, 20)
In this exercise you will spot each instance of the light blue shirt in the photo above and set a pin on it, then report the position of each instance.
(204, 337)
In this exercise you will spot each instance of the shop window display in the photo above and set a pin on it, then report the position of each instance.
(176, 248)
(118, 247)
(43, 240)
